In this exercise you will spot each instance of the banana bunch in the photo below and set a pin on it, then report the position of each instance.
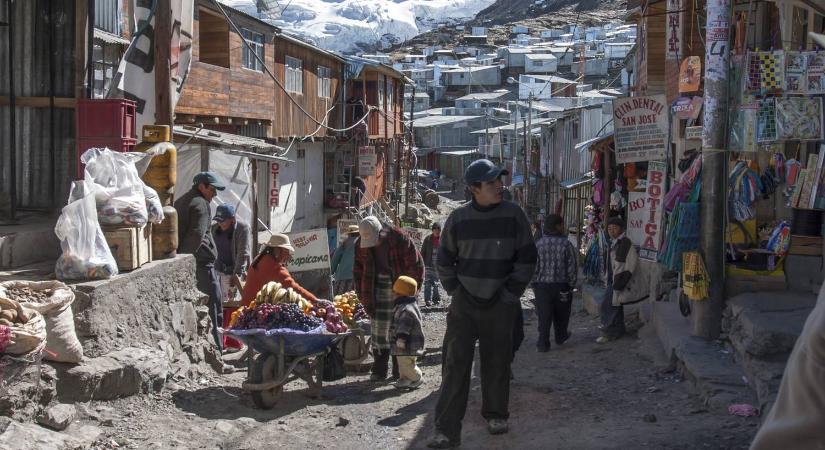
(273, 292)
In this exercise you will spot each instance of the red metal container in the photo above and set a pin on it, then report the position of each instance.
(106, 118)
(104, 123)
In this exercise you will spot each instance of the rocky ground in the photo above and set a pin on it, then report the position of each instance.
(578, 396)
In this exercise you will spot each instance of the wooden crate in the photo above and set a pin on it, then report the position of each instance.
(131, 246)
(805, 245)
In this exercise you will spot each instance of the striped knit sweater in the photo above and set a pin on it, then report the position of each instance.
(486, 249)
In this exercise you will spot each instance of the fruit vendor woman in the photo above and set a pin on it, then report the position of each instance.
(384, 253)
(269, 266)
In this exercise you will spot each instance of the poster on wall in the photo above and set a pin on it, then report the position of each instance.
(309, 265)
(690, 74)
(417, 235)
(640, 128)
(637, 212)
(652, 221)
(367, 160)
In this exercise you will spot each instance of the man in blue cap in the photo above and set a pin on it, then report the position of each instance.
(486, 258)
(231, 237)
(194, 218)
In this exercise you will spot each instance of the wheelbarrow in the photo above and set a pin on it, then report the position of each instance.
(283, 356)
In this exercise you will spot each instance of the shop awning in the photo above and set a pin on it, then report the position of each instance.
(593, 144)
(459, 152)
(576, 182)
(109, 38)
(232, 143)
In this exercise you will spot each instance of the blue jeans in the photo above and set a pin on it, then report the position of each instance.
(431, 283)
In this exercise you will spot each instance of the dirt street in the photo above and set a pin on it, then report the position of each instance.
(580, 395)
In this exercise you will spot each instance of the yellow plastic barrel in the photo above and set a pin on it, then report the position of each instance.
(165, 235)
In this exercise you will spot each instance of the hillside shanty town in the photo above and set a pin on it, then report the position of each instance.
(529, 224)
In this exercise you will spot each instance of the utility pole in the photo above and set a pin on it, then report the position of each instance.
(524, 165)
(528, 147)
(707, 317)
(164, 112)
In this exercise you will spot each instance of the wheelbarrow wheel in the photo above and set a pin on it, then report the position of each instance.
(264, 369)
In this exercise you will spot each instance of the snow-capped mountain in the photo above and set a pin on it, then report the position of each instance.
(351, 25)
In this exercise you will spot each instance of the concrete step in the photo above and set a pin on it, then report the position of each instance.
(710, 367)
(762, 328)
(119, 374)
(31, 240)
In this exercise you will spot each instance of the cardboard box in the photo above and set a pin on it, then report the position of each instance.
(131, 246)
(805, 245)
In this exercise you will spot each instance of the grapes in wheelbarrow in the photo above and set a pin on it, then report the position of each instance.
(282, 315)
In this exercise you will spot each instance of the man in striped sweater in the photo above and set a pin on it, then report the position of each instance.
(485, 261)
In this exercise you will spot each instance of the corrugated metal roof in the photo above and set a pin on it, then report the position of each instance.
(459, 152)
(224, 139)
(485, 95)
(109, 38)
(576, 182)
(582, 146)
(431, 121)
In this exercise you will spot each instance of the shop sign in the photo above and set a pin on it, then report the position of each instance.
(311, 251)
(686, 108)
(674, 30)
(690, 74)
(641, 128)
(274, 188)
(367, 160)
(637, 212)
(417, 235)
(694, 133)
(652, 222)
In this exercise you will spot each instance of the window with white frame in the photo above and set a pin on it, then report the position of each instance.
(390, 93)
(256, 47)
(294, 69)
(324, 87)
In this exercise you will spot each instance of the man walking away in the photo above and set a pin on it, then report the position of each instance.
(553, 283)
(384, 254)
(485, 261)
(429, 252)
(194, 217)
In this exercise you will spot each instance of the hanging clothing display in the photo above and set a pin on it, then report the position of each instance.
(695, 278)
(744, 187)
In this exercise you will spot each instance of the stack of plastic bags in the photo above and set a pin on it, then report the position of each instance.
(111, 193)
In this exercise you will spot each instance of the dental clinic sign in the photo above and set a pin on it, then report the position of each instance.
(640, 125)
(651, 225)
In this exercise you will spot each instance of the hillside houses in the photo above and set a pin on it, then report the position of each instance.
(546, 90)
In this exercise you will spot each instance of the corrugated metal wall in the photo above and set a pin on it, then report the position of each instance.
(40, 182)
(107, 15)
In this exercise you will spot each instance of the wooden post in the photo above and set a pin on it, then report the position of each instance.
(163, 60)
(707, 314)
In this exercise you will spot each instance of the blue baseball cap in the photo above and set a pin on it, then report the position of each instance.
(482, 170)
(208, 178)
(224, 212)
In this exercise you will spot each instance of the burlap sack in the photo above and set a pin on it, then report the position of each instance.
(28, 336)
(62, 344)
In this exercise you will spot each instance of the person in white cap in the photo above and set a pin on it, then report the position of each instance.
(268, 266)
(384, 253)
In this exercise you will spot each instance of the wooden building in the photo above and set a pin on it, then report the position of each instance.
(227, 88)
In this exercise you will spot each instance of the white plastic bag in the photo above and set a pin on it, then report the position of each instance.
(120, 201)
(86, 255)
(153, 205)
(55, 304)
